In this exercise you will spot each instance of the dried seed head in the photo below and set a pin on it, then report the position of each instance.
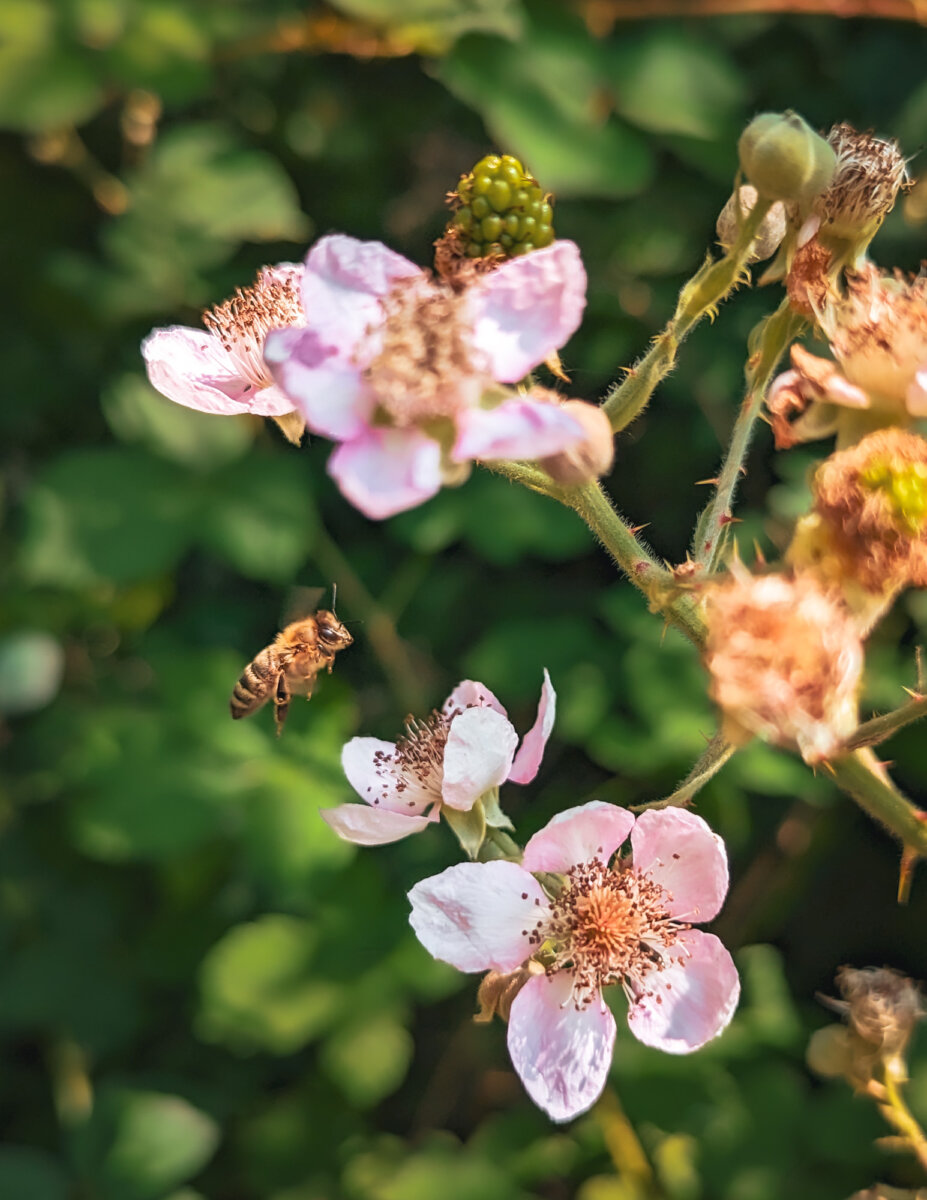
(873, 499)
(785, 661)
(772, 229)
(809, 281)
(593, 456)
(882, 1008)
(242, 322)
(870, 173)
(878, 333)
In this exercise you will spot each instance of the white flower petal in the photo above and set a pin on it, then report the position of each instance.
(477, 916)
(478, 756)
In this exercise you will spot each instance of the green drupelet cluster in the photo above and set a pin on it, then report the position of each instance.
(503, 209)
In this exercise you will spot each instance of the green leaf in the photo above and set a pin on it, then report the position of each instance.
(432, 25)
(105, 515)
(139, 1144)
(138, 414)
(669, 81)
(259, 989)
(368, 1059)
(260, 515)
(29, 1174)
(572, 153)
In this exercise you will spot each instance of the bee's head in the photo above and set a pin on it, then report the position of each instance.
(332, 634)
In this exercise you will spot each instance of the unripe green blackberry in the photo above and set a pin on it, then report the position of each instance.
(784, 158)
(503, 211)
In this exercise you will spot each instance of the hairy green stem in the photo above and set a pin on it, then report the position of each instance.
(896, 1111)
(860, 775)
(641, 567)
(769, 341)
(698, 298)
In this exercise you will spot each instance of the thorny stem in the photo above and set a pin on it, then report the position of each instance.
(391, 652)
(772, 337)
(878, 729)
(861, 776)
(640, 566)
(698, 298)
(897, 1113)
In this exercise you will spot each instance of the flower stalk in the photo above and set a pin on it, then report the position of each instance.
(700, 297)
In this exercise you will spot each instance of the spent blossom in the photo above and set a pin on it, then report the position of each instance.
(878, 336)
(612, 921)
(870, 173)
(404, 371)
(785, 660)
(452, 758)
(221, 369)
(872, 498)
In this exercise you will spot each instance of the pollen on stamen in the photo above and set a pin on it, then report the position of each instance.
(609, 925)
(426, 367)
(243, 322)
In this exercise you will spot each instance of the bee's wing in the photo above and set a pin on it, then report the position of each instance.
(301, 602)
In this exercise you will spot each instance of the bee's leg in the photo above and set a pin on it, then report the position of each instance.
(281, 702)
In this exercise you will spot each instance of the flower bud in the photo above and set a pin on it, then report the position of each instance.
(770, 233)
(592, 457)
(784, 158)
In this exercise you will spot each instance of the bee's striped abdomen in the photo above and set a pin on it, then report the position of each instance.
(256, 685)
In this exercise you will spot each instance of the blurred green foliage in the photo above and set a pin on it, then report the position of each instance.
(204, 995)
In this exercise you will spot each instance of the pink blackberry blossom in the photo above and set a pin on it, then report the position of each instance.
(221, 369)
(403, 371)
(453, 757)
(625, 921)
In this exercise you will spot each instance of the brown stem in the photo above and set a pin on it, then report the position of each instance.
(602, 15)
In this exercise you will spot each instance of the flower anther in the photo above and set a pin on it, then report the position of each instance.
(221, 369)
(451, 758)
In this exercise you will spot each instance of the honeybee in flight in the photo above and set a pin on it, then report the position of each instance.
(290, 665)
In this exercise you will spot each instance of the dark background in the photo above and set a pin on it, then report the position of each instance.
(203, 994)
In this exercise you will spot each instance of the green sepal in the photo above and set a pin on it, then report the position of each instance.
(494, 814)
(469, 828)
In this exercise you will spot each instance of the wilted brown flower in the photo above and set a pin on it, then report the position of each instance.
(870, 173)
(785, 661)
(882, 1008)
(873, 498)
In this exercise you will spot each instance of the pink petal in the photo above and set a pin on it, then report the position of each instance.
(386, 471)
(477, 757)
(528, 308)
(917, 394)
(691, 1000)
(372, 826)
(515, 429)
(470, 694)
(192, 368)
(531, 751)
(342, 285)
(838, 390)
(678, 850)
(329, 391)
(374, 772)
(562, 1054)
(578, 835)
(477, 916)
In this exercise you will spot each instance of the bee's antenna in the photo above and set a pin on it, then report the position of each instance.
(334, 598)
